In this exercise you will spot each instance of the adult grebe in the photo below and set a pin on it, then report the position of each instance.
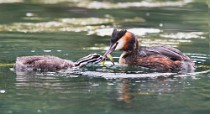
(52, 63)
(155, 57)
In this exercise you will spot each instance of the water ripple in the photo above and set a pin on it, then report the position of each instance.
(183, 35)
(109, 5)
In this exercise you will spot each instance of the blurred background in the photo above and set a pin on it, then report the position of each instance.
(71, 29)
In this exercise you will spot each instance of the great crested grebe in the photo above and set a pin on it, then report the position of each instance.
(155, 57)
(52, 63)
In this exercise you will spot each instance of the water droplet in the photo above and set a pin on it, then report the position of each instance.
(39, 111)
(95, 85)
(33, 51)
(10, 111)
(2, 91)
(29, 14)
(47, 51)
(110, 84)
(137, 81)
(59, 50)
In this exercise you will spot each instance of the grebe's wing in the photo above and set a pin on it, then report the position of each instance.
(167, 51)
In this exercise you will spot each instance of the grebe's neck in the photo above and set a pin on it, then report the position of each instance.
(129, 56)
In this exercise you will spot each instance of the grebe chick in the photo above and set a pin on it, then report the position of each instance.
(155, 57)
(52, 63)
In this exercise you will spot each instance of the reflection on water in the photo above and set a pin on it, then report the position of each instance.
(181, 35)
(104, 95)
(136, 31)
(109, 5)
(59, 25)
(10, 1)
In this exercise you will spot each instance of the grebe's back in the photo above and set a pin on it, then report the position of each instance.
(179, 61)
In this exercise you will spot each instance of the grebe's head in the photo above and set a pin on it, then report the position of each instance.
(89, 59)
(122, 40)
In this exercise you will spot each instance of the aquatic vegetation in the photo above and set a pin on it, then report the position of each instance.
(109, 5)
(65, 24)
(11, 1)
(184, 35)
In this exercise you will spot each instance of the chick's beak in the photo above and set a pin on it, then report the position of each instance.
(111, 49)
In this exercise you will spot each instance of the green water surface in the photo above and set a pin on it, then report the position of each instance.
(71, 29)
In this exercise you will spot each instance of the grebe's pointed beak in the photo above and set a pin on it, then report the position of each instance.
(108, 53)
(111, 49)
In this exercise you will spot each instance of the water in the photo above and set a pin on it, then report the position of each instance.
(72, 29)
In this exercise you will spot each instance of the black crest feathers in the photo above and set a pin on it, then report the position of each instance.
(116, 35)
